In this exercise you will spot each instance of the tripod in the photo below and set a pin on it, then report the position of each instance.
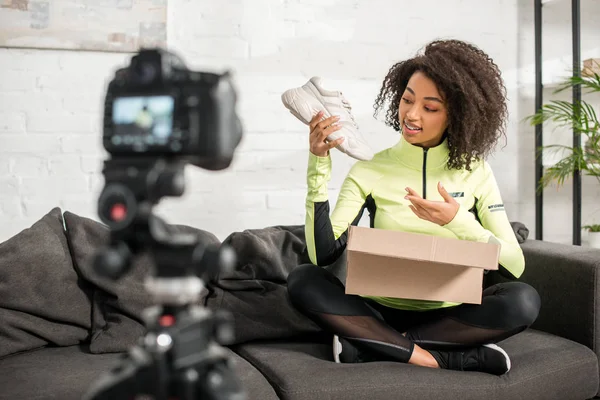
(179, 357)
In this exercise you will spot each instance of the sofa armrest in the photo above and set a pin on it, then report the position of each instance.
(567, 279)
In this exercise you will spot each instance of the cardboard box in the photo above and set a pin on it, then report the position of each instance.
(416, 266)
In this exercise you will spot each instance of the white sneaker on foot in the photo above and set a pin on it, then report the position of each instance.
(307, 100)
(346, 352)
(337, 349)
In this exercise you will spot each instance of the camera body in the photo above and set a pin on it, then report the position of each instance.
(157, 107)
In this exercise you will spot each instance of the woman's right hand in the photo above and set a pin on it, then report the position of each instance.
(319, 130)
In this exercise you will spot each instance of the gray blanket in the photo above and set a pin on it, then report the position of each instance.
(42, 300)
(117, 305)
(521, 231)
(255, 292)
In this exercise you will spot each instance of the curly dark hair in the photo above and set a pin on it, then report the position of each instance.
(472, 87)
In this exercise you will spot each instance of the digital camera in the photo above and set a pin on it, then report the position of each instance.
(156, 106)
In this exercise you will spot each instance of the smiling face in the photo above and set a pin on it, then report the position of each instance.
(423, 114)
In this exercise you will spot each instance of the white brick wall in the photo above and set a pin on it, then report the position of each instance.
(50, 150)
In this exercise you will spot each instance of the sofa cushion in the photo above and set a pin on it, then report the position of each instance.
(543, 367)
(66, 373)
(42, 300)
(118, 305)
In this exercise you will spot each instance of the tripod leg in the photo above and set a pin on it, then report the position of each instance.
(126, 380)
(220, 383)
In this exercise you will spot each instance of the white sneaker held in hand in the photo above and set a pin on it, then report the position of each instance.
(307, 100)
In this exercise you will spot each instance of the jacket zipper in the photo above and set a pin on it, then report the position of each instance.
(424, 173)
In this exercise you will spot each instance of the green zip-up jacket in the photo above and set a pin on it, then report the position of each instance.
(379, 186)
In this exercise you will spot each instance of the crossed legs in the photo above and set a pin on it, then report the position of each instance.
(405, 336)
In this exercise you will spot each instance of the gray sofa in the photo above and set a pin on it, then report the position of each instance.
(61, 326)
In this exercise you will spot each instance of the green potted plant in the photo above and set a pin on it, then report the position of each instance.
(581, 117)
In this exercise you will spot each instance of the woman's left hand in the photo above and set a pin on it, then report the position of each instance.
(438, 212)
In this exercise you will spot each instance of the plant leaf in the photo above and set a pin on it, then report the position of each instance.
(583, 119)
(591, 83)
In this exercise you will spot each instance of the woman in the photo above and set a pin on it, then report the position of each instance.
(449, 106)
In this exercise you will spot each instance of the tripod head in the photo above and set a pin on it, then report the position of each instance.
(133, 187)
(159, 117)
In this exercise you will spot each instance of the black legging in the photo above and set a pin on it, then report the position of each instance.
(506, 309)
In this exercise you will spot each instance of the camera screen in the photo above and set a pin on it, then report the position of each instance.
(147, 118)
